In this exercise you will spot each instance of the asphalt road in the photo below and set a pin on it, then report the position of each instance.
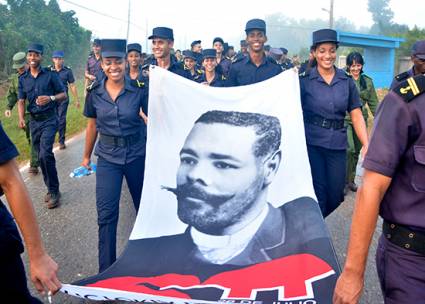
(70, 231)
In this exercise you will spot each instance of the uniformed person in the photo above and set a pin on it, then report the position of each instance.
(369, 99)
(190, 65)
(393, 187)
(43, 89)
(285, 62)
(12, 275)
(211, 77)
(162, 42)
(20, 65)
(222, 61)
(256, 66)
(135, 72)
(93, 67)
(113, 108)
(67, 78)
(418, 59)
(276, 54)
(327, 93)
(196, 48)
(134, 61)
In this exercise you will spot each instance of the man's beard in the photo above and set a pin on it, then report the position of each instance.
(212, 213)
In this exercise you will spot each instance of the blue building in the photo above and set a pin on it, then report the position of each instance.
(379, 55)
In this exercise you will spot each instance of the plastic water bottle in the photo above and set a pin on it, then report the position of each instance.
(83, 171)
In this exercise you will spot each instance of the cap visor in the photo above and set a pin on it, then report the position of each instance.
(159, 36)
(113, 54)
(18, 66)
(35, 51)
(420, 56)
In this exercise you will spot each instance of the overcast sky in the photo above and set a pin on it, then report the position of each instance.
(205, 20)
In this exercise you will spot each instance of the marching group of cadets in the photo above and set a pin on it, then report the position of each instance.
(117, 79)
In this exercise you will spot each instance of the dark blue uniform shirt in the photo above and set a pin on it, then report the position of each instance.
(10, 241)
(175, 67)
(46, 83)
(397, 150)
(94, 66)
(218, 81)
(65, 75)
(244, 71)
(119, 119)
(330, 101)
(407, 74)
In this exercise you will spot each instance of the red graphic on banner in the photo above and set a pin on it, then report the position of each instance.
(291, 276)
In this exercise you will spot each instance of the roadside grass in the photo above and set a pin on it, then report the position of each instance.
(75, 124)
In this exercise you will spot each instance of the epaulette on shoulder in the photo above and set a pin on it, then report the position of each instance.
(137, 83)
(199, 71)
(50, 68)
(402, 76)
(238, 58)
(92, 86)
(411, 87)
(223, 77)
(66, 67)
(348, 74)
(304, 74)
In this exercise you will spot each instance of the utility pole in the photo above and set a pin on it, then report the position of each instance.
(330, 11)
(128, 20)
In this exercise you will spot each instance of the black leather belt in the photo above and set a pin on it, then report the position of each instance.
(322, 122)
(120, 141)
(43, 116)
(404, 237)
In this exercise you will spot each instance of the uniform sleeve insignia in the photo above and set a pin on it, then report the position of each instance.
(411, 87)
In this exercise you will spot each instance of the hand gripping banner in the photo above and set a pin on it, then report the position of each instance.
(228, 212)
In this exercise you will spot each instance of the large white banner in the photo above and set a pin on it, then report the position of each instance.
(228, 211)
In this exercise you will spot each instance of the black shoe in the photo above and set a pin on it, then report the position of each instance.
(352, 186)
(33, 170)
(62, 146)
(47, 197)
(346, 189)
(54, 200)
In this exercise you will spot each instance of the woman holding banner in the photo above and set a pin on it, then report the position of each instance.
(114, 110)
(327, 94)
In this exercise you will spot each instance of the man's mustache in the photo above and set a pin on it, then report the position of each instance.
(189, 190)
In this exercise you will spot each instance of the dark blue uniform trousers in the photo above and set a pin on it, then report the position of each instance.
(43, 136)
(401, 273)
(109, 178)
(328, 169)
(62, 109)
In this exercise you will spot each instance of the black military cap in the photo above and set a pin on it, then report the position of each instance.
(209, 53)
(244, 43)
(162, 32)
(284, 51)
(35, 47)
(195, 43)
(134, 47)
(113, 47)
(218, 39)
(189, 54)
(255, 24)
(325, 35)
(418, 49)
(96, 42)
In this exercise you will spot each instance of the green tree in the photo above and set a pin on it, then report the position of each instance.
(26, 21)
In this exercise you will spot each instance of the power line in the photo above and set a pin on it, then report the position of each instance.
(102, 14)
